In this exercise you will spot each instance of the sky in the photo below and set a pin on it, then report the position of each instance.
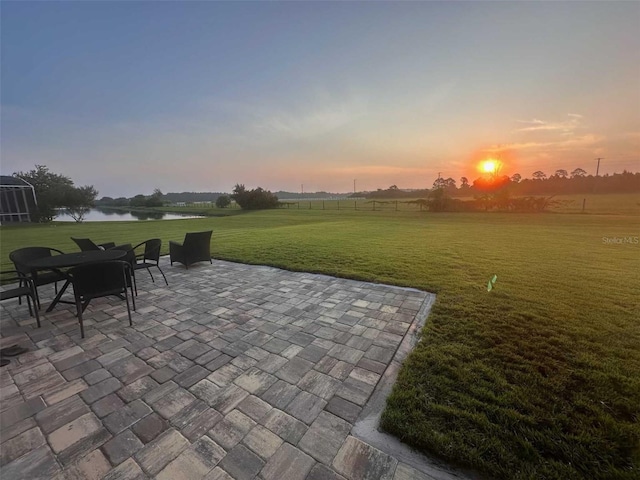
(315, 96)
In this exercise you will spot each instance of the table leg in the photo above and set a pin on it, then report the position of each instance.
(59, 296)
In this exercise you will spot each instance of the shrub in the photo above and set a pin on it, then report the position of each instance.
(223, 201)
(255, 199)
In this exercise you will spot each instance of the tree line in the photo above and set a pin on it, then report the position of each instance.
(560, 183)
(56, 192)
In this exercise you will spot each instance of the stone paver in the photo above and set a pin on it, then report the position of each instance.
(325, 437)
(230, 372)
(194, 462)
(358, 461)
(158, 453)
(288, 462)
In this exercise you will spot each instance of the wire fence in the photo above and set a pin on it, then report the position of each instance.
(354, 205)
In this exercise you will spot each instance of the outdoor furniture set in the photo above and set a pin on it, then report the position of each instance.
(98, 270)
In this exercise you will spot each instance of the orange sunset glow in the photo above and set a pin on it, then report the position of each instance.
(489, 166)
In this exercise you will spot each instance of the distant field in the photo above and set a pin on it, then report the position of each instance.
(613, 203)
(539, 378)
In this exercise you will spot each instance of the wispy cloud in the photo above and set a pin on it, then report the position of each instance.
(575, 142)
(567, 126)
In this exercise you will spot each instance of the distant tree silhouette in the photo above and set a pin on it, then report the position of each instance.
(138, 201)
(578, 172)
(254, 199)
(561, 173)
(155, 200)
(516, 177)
(223, 201)
(539, 175)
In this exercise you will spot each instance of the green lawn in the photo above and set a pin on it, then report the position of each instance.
(539, 378)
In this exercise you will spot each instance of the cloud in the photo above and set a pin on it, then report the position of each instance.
(583, 141)
(565, 127)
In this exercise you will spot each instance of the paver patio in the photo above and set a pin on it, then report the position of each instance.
(230, 372)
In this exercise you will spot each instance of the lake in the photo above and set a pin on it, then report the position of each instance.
(96, 215)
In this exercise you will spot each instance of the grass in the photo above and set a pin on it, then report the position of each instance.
(539, 378)
(611, 204)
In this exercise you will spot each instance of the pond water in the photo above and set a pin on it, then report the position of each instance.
(99, 215)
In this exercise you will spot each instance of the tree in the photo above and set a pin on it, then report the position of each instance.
(578, 172)
(138, 201)
(223, 201)
(254, 199)
(464, 182)
(439, 183)
(78, 201)
(55, 191)
(516, 177)
(155, 200)
(539, 175)
(121, 202)
(438, 200)
(561, 173)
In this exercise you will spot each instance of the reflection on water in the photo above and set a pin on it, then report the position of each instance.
(149, 215)
(107, 215)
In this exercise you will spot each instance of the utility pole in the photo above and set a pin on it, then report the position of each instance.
(598, 167)
(354, 185)
(302, 188)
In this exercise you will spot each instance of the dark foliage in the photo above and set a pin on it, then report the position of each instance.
(256, 199)
(223, 201)
(54, 191)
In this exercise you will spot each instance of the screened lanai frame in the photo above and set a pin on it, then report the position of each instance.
(17, 200)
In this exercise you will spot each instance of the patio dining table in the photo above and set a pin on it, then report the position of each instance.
(66, 260)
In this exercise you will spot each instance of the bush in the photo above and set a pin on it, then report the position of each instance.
(223, 201)
(255, 199)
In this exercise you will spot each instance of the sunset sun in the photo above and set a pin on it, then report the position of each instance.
(489, 166)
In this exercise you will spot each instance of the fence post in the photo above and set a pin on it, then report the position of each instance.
(338, 205)
(323, 204)
(355, 203)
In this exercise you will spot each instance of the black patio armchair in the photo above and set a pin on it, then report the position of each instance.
(25, 288)
(149, 258)
(86, 244)
(22, 256)
(96, 280)
(130, 258)
(195, 248)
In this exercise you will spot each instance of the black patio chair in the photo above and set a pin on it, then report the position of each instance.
(21, 258)
(86, 244)
(195, 248)
(96, 280)
(130, 258)
(25, 288)
(149, 258)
